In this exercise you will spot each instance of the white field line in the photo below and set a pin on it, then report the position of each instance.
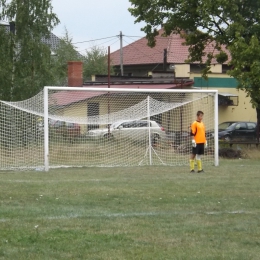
(147, 214)
(54, 181)
(135, 214)
(103, 180)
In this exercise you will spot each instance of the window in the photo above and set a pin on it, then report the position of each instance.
(224, 125)
(251, 126)
(241, 126)
(127, 125)
(141, 124)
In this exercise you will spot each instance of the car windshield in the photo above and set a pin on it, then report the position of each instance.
(231, 127)
(225, 125)
(117, 124)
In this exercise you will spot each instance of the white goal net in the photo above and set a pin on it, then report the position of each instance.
(77, 127)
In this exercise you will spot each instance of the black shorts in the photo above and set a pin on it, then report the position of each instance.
(199, 149)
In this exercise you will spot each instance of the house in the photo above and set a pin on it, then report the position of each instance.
(83, 104)
(52, 41)
(169, 57)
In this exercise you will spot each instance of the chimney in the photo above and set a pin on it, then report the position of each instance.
(75, 73)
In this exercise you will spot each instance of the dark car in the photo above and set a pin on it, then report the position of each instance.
(68, 130)
(237, 131)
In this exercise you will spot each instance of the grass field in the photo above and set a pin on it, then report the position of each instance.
(132, 213)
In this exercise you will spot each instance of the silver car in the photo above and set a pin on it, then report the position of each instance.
(134, 129)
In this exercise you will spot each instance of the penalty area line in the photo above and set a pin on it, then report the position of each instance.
(135, 214)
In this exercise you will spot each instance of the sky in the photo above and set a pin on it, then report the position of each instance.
(96, 23)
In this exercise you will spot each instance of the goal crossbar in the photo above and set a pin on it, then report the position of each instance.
(214, 93)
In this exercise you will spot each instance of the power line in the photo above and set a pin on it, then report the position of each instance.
(134, 36)
(110, 37)
(114, 42)
(95, 40)
(106, 38)
(117, 36)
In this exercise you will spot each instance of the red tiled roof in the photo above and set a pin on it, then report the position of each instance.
(64, 98)
(139, 52)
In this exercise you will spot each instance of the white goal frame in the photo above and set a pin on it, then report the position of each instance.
(54, 88)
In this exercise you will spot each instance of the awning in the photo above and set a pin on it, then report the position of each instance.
(227, 94)
(227, 99)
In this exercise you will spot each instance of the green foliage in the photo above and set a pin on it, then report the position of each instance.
(28, 64)
(233, 23)
(196, 41)
(5, 64)
(222, 57)
(60, 57)
(246, 66)
(96, 62)
(26, 59)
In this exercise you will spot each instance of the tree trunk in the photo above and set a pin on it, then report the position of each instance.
(258, 124)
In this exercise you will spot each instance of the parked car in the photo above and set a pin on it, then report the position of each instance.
(65, 129)
(237, 131)
(134, 129)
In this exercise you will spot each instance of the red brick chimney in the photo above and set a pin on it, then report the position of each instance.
(75, 73)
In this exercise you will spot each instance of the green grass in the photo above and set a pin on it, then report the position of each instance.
(132, 213)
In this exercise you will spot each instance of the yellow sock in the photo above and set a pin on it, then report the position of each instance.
(199, 163)
(191, 164)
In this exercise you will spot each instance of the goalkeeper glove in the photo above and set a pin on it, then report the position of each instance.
(206, 145)
(193, 143)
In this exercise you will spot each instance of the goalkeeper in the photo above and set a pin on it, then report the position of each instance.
(199, 142)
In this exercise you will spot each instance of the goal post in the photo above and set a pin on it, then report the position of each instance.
(172, 109)
(105, 127)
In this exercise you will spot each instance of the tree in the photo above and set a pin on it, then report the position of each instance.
(233, 23)
(26, 58)
(6, 64)
(96, 62)
(59, 65)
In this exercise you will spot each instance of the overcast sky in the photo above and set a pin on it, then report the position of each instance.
(88, 20)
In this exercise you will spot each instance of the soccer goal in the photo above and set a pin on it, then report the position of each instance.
(90, 126)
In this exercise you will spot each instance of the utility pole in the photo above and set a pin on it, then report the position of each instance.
(108, 85)
(12, 30)
(121, 54)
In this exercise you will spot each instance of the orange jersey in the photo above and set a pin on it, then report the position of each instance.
(199, 132)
